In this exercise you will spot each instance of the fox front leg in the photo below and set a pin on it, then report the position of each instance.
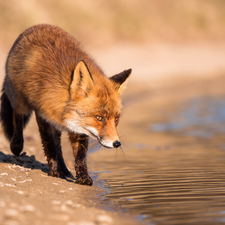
(57, 138)
(49, 145)
(80, 146)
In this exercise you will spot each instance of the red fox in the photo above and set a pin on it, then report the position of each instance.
(48, 72)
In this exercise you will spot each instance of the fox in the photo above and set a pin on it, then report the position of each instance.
(48, 72)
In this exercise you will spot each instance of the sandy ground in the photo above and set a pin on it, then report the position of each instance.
(29, 196)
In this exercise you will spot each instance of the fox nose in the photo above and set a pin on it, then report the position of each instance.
(116, 144)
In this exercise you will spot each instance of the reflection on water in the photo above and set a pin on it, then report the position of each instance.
(179, 184)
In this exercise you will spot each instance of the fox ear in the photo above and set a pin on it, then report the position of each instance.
(81, 79)
(120, 79)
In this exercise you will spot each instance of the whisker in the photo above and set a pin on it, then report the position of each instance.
(123, 142)
(115, 156)
(123, 151)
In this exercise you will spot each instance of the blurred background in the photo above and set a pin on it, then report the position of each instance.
(101, 22)
(156, 38)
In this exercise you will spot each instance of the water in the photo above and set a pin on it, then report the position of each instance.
(202, 117)
(180, 180)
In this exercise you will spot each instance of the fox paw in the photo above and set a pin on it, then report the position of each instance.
(84, 181)
(16, 146)
(58, 174)
(67, 173)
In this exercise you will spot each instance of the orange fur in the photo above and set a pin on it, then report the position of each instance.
(48, 72)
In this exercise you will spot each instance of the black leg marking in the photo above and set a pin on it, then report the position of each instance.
(80, 146)
(16, 144)
(48, 142)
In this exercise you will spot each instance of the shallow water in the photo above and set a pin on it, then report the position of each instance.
(201, 117)
(179, 181)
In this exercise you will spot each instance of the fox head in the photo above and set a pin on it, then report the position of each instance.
(95, 107)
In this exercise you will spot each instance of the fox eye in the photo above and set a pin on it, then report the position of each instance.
(99, 118)
(116, 119)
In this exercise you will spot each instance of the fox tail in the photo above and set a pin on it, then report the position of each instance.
(6, 116)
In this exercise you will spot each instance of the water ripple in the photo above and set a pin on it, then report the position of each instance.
(184, 184)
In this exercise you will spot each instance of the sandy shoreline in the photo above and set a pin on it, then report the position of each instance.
(28, 195)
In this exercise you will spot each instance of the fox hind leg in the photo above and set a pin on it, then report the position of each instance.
(48, 142)
(16, 144)
(13, 122)
(80, 146)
